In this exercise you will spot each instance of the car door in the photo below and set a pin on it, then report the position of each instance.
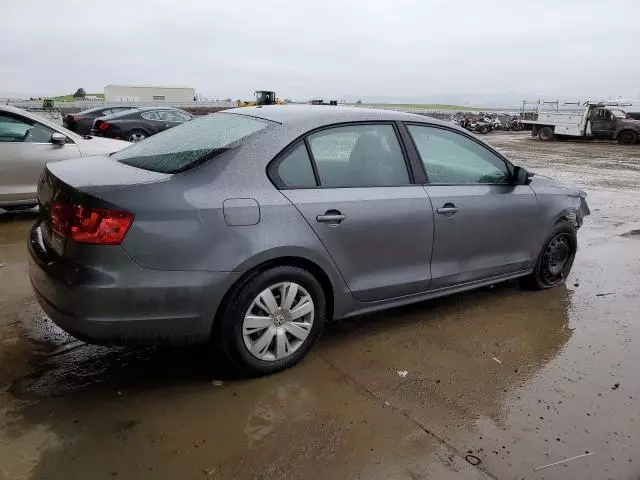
(359, 199)
(603, 123)
(485, 226)
(25, 147)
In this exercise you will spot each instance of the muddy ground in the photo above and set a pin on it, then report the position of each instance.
(500, 380)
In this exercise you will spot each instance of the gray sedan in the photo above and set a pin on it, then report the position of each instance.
(27, 142)
(252, 228)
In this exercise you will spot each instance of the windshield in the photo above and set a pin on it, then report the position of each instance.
(192, 143)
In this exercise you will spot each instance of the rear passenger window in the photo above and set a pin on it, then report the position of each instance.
(151, 116)
(294, 170)
(359, 156)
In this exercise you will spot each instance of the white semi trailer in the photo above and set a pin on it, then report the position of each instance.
(597, 120)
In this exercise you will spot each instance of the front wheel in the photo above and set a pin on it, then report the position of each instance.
(271, 321)
(556, 258)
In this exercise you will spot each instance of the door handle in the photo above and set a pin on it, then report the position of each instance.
(447, 209)
(333, 217)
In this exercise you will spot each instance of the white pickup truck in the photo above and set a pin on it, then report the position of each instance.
(598, 120)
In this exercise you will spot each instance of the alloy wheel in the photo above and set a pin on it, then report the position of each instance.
(137, 137)
(278, 321)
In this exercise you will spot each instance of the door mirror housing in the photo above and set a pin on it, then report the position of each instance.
(521, 176)
(58, 138)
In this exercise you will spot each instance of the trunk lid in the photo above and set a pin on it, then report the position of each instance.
(79, 182)
(101, 172)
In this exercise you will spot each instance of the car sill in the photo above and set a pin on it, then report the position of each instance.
(430, 294)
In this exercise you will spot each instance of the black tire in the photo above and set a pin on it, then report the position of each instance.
(563, 243)
(627, 137)
(227, 335)
(545, 134)
(136, 136)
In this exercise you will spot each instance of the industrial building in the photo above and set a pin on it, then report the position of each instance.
(139, 93)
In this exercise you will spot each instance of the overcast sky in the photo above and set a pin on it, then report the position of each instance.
(330, 48)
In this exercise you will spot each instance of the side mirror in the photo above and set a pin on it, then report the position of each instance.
(521, 176)
(58, 138)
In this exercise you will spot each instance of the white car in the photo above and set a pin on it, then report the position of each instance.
(27, 143)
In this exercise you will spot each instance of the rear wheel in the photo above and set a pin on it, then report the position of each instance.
(556, 258)
(627, 137)
(545, 133)
(136, 136)
(271, 320)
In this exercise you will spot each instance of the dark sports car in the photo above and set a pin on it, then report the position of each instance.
(82, 122)
(140, 123)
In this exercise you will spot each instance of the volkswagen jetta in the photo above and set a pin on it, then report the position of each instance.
(253, 227)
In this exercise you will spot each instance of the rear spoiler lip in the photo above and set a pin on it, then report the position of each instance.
(100, 172)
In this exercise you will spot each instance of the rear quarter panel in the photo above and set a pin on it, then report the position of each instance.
(180, 223)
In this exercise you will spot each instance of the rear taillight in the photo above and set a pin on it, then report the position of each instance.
(83, 224)
(104, 126)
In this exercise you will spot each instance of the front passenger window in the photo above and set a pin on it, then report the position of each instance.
(451, 158)
(19, 129)
(151, 116)
(39, 134)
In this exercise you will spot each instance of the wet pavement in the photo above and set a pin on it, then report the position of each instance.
(499, 381)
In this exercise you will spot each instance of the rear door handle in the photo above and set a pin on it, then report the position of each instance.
(333, 217)
(447, 209)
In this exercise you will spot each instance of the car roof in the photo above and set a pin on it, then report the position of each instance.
(104, 107)
(93, 109)
(146, 109)
(314, 116)
(139, 110)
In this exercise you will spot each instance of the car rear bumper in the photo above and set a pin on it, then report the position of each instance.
(124, 303)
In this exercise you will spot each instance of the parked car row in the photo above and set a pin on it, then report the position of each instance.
(126, 123)
(137, 124)
(28, 142)
(82, 122)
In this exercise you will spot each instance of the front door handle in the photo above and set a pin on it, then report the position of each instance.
(447, 209)
(332, 217)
